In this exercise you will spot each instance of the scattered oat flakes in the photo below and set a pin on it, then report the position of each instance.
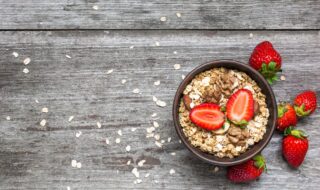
(8, 118)
(178, 15)
(15, 54)
(157, 137)
(131, 47)
(98, 124)
(163, 19)
(128, 148)
(150, 129)
(25, 70)
(251, 35)
(147, 175)
(155, 124)
(154, 115)
(216, 169)
(118, 140)
(74, 163)
(95, 7)
(78, 134)
(133, 129)
(156, 83)
(137, 181)
(136, 91)
(173, 153)
(177, 66)
(135, 172)
(70, 118)
(129, 162)
(26, 61)
(157, 43)
(172, 171)
(219, 146)
(158, 144)
(161, 103)
(149, 135)
(169, 139)
(154, 98)
(43, 122)
(68, 56)
(282, 77)
(123, 81)
(238, 148)
(183, 77)
(120, 132)
(79, 165)
(45, 110)
(107, 141)
(109, 71)
(141, 162)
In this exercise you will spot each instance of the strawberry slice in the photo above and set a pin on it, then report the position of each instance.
(207, 116)
(240, 107)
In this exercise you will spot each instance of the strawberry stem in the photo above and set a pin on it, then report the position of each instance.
(260, 162)
(281, 110)
(300, 111)
(295, 132)
(269, 71)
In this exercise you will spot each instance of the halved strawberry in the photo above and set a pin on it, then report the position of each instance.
(207, 116)
(240, 107)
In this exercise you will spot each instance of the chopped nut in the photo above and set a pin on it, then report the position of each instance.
(234, 131)
(233, 139)
(256, 108)
(241, 143)
(187, 101)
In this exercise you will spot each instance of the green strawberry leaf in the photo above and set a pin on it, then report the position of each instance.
(272, 66)
(269, 71)
(259, 162)
(300, 111)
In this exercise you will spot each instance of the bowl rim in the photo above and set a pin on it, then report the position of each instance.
(186, 81)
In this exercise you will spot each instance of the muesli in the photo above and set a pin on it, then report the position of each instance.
(216, 86)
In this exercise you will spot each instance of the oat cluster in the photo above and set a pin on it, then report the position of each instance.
(216, 86)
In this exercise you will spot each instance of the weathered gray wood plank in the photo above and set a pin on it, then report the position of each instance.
(35, 157)
(145, 14)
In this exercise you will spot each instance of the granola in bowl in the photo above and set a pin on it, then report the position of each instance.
(215, 86)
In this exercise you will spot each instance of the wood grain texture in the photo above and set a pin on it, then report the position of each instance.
(35, 157)
(145, 14)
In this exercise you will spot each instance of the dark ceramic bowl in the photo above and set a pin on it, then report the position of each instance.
(271, 104)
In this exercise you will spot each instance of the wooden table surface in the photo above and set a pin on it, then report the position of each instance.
(74, 45)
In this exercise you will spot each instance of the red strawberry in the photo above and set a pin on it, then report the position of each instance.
(207, 116)
(286, 116)
(294, 147)
(240, 107)
(305, 103)
(266, 60)
(247, 171)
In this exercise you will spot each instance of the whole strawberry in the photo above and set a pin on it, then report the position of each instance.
(266, 60)
(305, 103)
(247, 171)
(286, 116)
(294, 147)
